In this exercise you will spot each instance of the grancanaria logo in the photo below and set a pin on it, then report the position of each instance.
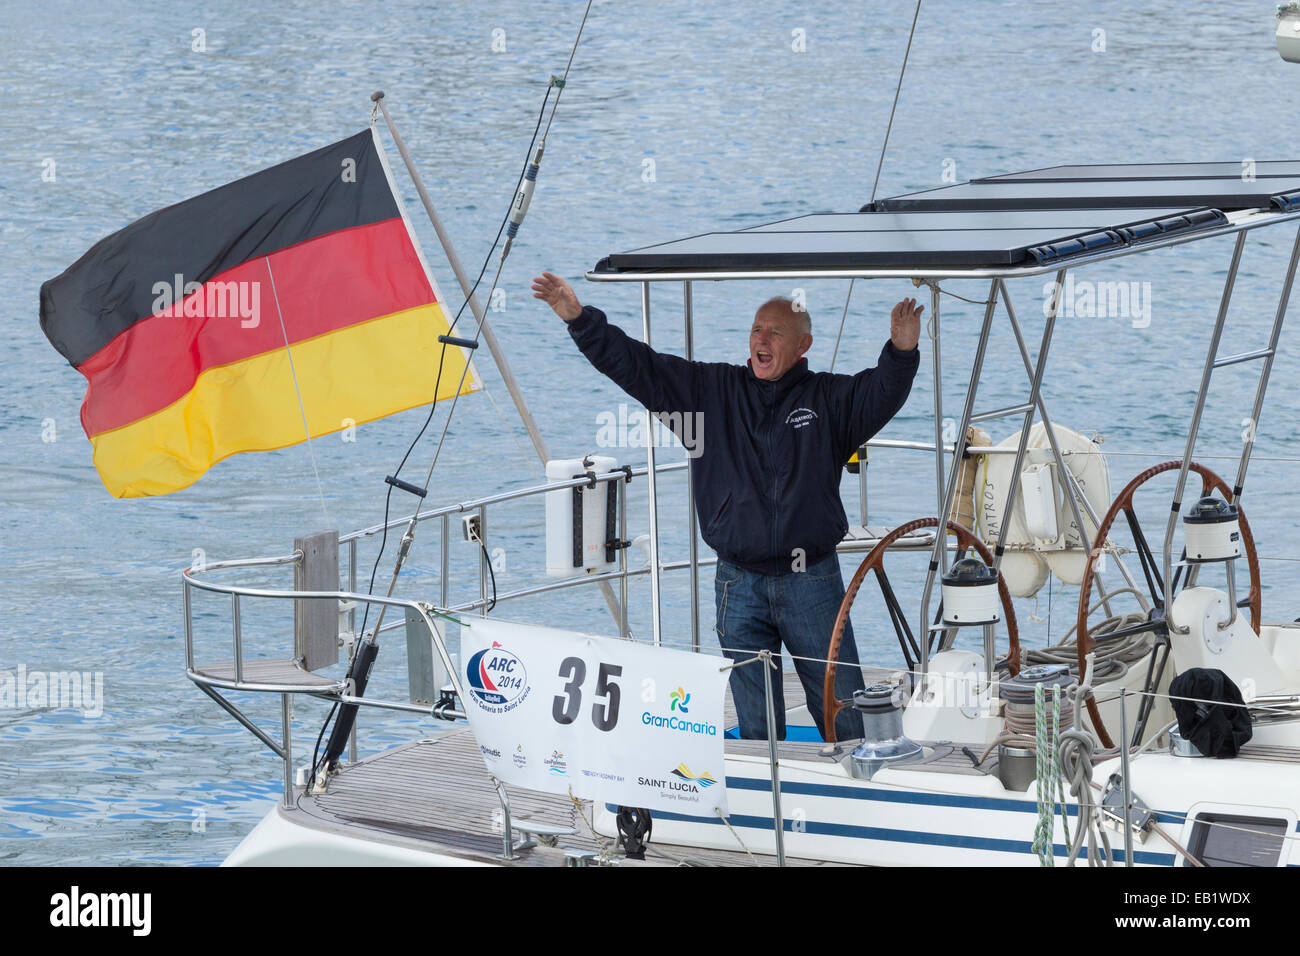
(704, 780)
(680, 698)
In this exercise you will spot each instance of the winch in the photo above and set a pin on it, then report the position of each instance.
(1017, 765)
(882, 729)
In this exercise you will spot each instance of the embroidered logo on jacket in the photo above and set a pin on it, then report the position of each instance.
(801, 418)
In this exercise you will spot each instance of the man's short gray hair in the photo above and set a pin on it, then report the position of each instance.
(787, 305)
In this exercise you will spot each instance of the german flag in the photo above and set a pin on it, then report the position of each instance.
(291, 303)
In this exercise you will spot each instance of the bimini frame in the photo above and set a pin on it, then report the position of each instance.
(1238, 224)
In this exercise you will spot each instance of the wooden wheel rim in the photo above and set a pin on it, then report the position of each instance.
(1124, 503)
(874, 561)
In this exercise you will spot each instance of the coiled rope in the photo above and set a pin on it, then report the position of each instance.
(1076, 752)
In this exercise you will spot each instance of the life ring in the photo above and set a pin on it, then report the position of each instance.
(1029, 560)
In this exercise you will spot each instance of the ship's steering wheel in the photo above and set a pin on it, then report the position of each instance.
(1151, 569)
(874, 561)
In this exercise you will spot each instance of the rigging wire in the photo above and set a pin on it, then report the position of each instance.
(883, 146)
(512, 218)
(388, 497)
(879, 165)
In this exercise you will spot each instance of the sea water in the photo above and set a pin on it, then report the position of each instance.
(678, 119)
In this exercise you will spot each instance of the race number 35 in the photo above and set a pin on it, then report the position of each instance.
(568, 703)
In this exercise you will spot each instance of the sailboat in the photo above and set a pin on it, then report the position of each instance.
(966, 757)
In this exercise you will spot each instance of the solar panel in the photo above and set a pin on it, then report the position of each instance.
(897, 240)
(1032, 218)
(1062, 220)
(1226, 194)
(735, 250)
(1237, 170)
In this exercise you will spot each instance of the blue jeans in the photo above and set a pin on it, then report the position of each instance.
(761, 612)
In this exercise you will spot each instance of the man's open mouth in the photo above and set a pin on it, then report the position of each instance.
(763, 358)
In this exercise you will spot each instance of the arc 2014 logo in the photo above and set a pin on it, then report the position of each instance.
(497, 679)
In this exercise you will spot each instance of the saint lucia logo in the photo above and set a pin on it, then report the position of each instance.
(680, 698)
(497, 679)
(704, 780)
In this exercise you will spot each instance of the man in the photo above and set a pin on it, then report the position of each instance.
(766, 482)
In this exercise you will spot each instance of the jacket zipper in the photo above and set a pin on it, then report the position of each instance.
(771, 457)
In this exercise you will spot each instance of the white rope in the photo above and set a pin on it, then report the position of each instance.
(1075, 754)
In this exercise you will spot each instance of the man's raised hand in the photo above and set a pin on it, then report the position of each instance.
(905, 325)
(558, 294)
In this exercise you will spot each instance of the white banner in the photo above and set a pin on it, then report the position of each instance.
(616, 721)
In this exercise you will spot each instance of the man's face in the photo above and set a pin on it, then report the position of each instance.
(776, 342)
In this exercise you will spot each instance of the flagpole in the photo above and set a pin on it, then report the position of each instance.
(498, 356)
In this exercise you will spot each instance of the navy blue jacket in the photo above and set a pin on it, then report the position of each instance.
(767, 480)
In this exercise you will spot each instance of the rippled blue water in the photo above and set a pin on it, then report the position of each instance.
(741, 129)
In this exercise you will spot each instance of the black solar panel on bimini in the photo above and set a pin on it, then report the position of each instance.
(827, 250)
(1238, 170)
(1064, 221)
(911, 239)
(1037, 217)
(1014, 194)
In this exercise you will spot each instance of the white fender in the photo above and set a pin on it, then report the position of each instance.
(1025, 571)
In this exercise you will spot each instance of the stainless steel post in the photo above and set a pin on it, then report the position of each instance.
(778, 818)
(1127, 785)
(288, 750)
(1073, 493)
(508, 844)
(444, 569)
(1035, 386)
(863, 451)
(1267, 371)
(692, 529)
(1201, 393)
(990, 652)
(623, 630)
(189, 624)
(938, 420)
(503, 365)
(352, 627)
(482, 560)
(652, 482)
(239, 639)
(948, 487)
(352, 586)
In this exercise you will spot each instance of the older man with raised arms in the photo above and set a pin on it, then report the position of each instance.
(766, 482)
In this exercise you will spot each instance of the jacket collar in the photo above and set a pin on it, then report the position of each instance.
(797, 373)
